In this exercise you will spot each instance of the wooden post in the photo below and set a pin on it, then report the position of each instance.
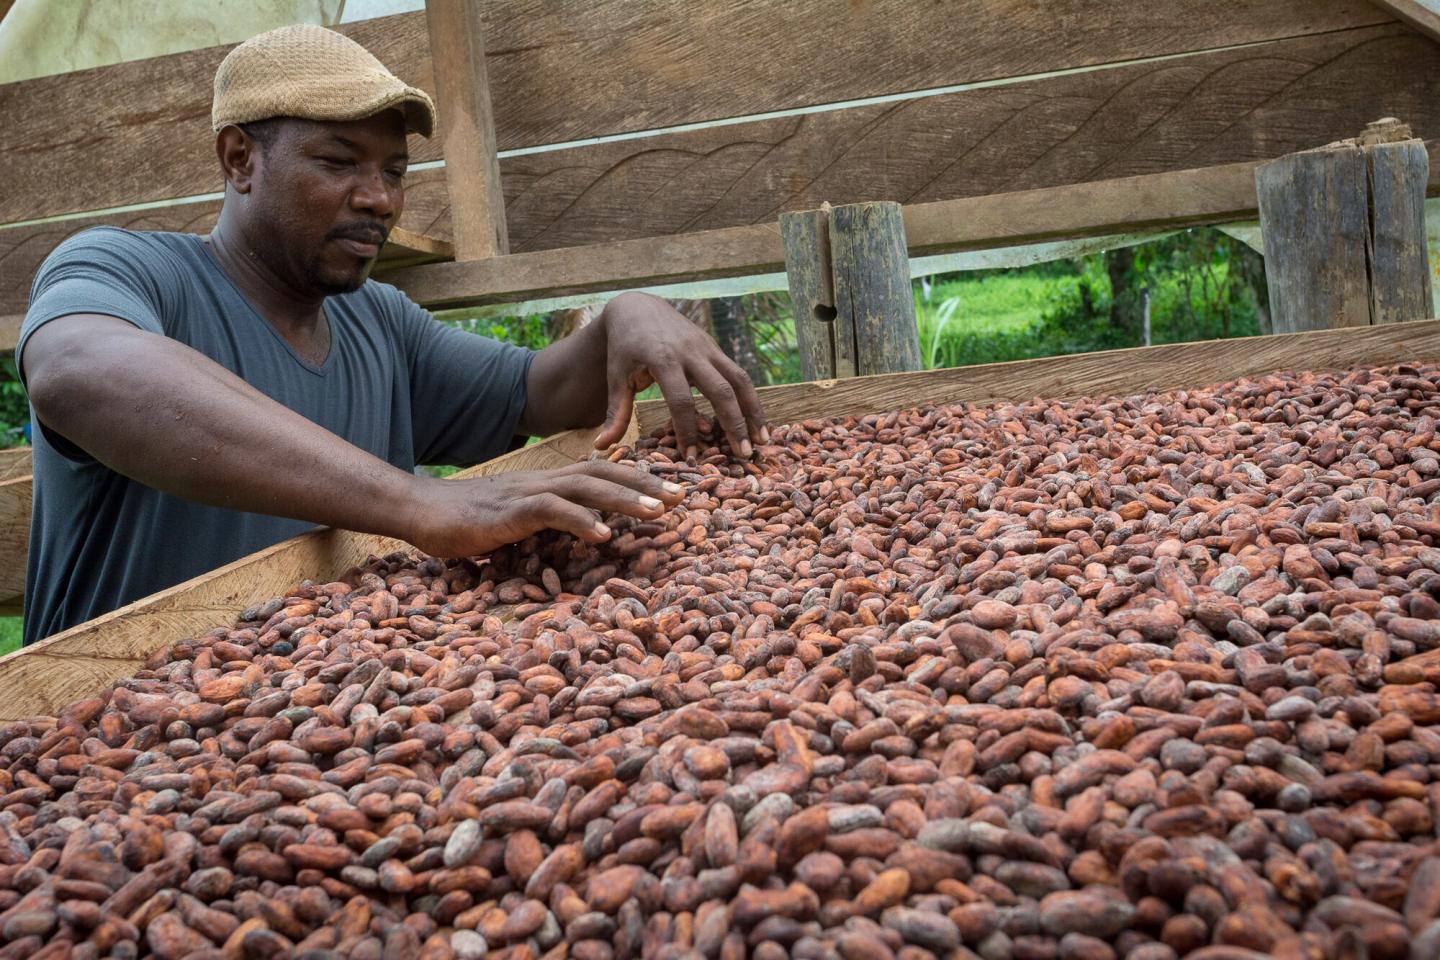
(826, 344)
(1400, 268)
(849, 274)
(467, 128)
(1344, 231)
(872, 285)
(1316, 227)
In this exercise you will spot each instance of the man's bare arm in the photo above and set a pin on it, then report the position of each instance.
(164, 414)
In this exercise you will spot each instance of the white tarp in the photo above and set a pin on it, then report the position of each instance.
(43, 37)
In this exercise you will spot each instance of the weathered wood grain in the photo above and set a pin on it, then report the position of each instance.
(871, 272)
(467, 128)
(825, 342)
(1315, 219)
(14, 539)
(1217, 108)
(1181, 198)
(1135, 370)
(1399, 263)
(563, 71)
(47, 675)
(1423, 15)
(1144, 118)
(14, 463)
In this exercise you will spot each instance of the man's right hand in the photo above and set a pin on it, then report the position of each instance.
(465, 518)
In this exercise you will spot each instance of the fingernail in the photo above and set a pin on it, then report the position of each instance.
(691, 453)
(746, 450)
(764, 434)
(602, 530)
(650, 503)
(669, 487)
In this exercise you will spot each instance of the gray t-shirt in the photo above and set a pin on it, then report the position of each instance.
(397, 383)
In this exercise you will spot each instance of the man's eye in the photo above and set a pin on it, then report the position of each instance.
(396, 173)
(335, 161)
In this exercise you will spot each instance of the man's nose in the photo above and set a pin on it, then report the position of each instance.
(373, 195)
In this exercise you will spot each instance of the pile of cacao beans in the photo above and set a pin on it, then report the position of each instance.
(1141, 678)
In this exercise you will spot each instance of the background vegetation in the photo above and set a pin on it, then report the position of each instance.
(1200, 284)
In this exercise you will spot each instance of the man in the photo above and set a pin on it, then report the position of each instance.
(200, 398)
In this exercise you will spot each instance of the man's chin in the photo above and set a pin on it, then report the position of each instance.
(334, 282)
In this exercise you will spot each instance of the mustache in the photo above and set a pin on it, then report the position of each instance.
(361, 233)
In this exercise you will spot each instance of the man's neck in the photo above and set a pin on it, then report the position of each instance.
(287, 309)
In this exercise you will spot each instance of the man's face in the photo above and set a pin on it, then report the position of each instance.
(324, 196)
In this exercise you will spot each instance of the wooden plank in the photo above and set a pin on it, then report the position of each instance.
(1316, 224)
(732, 252)
(1116, 372)
(139, 131)
(871, 270)
(45, 676)
(14, 463)
(1217, 108)
(467, 128)
(14, 538)
(1423, 15)
(1400, 264)
(1253, 103)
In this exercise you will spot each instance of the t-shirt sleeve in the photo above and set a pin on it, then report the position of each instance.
(467, 392)
(101, 270)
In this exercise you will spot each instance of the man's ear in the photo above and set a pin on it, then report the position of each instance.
(239, 156)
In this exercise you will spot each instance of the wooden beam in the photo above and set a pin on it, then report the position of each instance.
(1117, 372)
(406, 244)
(732, 252)
(561, 72)
(1164, 200)
(1182, 198)
(1423, 15)
(45, 676)
(467, 128)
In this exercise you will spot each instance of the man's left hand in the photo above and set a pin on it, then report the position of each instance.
(648, 341)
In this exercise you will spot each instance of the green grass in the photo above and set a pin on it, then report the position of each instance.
(960, 317)
(997, 303)
(9, 634)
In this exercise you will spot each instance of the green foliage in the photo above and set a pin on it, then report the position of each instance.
(10, 634)
(14, 405)
(1202, 285)
(528, 331)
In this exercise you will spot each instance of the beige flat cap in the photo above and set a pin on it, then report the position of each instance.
(313, 73)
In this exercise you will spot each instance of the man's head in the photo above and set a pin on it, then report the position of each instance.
(311, 134)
